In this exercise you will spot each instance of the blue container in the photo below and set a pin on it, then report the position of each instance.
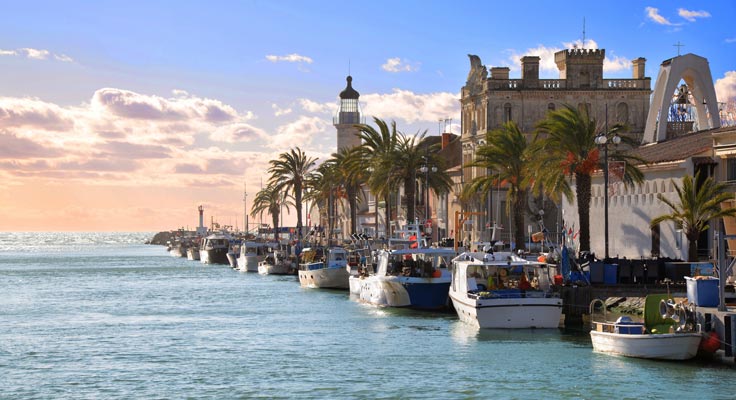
(702, 292)
(610, 274)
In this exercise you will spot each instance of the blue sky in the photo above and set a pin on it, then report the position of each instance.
(191, 98)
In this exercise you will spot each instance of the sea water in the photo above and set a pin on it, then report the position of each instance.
(102, 315)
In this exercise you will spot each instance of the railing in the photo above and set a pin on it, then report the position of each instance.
(625, 83)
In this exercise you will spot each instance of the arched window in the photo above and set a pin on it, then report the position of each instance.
(507, 112)
(551, 107)
(622, 113)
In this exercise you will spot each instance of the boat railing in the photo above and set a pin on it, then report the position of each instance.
(510, 294)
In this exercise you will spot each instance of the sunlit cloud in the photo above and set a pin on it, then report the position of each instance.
(396, 64)
(301, 132)
(692, 15)
(611, 63)
(654, 16)
(35, 54)
(292, 58)
(411, 107)
(315, 107)
(278, 111)
(726, 87)
(240, 132)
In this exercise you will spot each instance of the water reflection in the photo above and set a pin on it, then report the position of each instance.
(465, 334)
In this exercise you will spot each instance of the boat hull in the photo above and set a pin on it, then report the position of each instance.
(193, 254)
(330, 278)
(665, 346)
(213, 256)
(511, 313)
(396, 291)
(275, 269)
(232, 259)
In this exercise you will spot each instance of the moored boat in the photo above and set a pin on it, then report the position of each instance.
(416, 278)
(214, 249)
(667, 333)
(324, 268)
(193, 253)
(501, 290)
(251, 254)
(277, 262)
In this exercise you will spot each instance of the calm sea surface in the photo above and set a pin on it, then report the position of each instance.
(102, 315)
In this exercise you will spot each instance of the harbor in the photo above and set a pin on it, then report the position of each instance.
(116, 318)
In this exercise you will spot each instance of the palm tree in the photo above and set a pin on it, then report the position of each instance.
(378, 150)
(697, 206)
(564, 147)
(322, 189)
(351, 174)
(506, 153)
(270, 200)
(289, 173)
(413, 153)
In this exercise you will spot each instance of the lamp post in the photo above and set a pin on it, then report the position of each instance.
(425, 169)
(602, 140)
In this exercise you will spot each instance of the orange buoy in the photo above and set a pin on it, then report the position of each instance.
(711, 343)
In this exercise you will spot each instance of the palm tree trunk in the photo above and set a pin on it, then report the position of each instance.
(352, 192)
(519, 201)
(409, 189)
(582, 189)
(275, 221)
(387, 199)
(298, 204)
(692, 246)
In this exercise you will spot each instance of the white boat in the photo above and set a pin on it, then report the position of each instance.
(278, 262)
(501, 290)
(658, 337)
(233, 254)
(214, 249)
(326, 269)
(193, 253)
(416, 278)
(251, 254)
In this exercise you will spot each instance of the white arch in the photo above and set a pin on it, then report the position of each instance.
(696, 73)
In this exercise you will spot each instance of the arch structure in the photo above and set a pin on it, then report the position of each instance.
(695, 71)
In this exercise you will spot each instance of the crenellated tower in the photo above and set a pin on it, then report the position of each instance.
(581, 68)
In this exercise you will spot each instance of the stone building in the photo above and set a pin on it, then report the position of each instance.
(487, 102)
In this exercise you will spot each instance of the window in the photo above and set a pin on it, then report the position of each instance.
(507, 112)
(551, 107)
(731, 169)
(655, 240)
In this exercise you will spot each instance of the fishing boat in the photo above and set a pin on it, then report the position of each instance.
(278, 262)
(214, 249)
(324, 268)
(178, 247)
(193, 253)
(501, 290)
(409, 277)
(669, 332)
(251, 254)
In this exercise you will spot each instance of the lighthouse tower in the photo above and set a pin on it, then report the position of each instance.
(348, 115)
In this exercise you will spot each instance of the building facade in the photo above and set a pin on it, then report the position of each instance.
(487, 102)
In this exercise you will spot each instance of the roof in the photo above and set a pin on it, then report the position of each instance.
(676, 149)
(349, 92)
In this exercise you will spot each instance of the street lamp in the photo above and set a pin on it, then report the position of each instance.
(425, 170)
(602, 140)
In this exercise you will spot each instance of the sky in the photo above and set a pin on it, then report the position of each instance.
(128, 115)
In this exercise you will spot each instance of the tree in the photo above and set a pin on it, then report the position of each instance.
(506, 155)
(270, 200)
(378, 150)
(564, 149)
(350, 174)
(289, 173)
(695, 208)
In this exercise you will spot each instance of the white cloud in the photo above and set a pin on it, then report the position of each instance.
(35, 54)
(289, 58)
(278, 111)
(547, 57)
(692, 15)
(653, 14)
(730, 40)
(301, 132)
(314, 107)
(238, 133)
(396, 64)
(412, 107)
(726, 87)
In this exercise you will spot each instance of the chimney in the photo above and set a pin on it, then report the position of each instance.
(500, 73)
(637, 67)
(446, 139)
(530, 71)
